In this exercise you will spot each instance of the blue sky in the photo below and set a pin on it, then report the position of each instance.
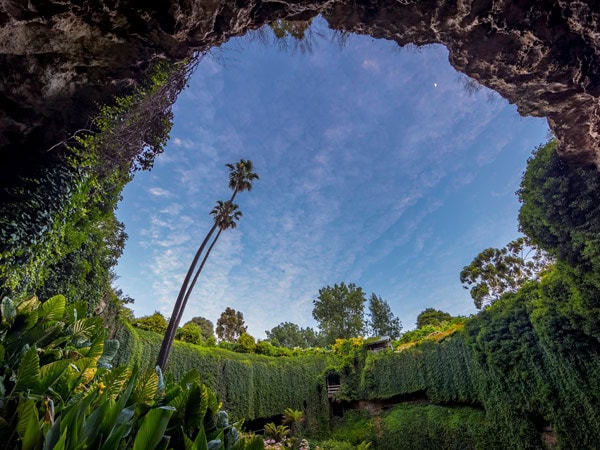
(377, 168)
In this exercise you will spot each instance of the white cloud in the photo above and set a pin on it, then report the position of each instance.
(159, 192)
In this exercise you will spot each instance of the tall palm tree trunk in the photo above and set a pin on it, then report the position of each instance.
(164, 348)
(175, 319)
(190, 289)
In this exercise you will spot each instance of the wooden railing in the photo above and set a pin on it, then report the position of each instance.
(332, 389)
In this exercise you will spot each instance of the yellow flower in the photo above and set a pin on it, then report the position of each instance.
(101, 387)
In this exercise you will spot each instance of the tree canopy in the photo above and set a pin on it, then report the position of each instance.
(431, 316)
(230, 325)
(496, 271)
(560, 210)
(290, 335)
(339, 311)
(206, 326)
(381, 320)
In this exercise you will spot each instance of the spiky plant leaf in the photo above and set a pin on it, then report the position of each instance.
(28, 374)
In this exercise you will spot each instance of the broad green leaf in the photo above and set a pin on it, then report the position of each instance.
(51, 373)
(95, 350)
(28, 374)
(196, 405)
(115, 380)
(53, 308)
(91, 427)
(53, 435)
(146, 388)
(111, 347)
(27, 305)
(115, 437)
(153, 428)
(8, 311)
(84, 329)
(32, 319)
(28, 425)
(200, 443)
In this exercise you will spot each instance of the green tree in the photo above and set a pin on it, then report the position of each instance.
(206, 326)
(156, 322)
(496, 271)
(230, 325)
(246, 343)
(431, 316)
(381, 319)
(190, 332)
(560, 210)
(339, 311)
(241, 176)
(290, 335)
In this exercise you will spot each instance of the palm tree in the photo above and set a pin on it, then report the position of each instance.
(225, 214)
(241, 176)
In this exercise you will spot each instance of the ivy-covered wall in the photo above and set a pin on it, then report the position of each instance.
(250, 386)
(524, 372)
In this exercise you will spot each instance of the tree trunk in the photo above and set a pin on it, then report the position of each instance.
(167, 340)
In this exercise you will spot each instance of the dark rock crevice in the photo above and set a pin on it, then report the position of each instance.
(60, 59)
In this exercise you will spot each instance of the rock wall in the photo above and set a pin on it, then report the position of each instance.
(61, 58)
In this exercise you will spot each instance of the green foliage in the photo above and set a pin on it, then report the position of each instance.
(57, 390)
(57, 227)
(496, 271)
(190, 332)
(276, 432)
(230, 325)
(560, 211)
(435, 427)
(156, 322)
(206, 326)
(339, 311)
(355, 427)
(431, 316)
(381, 319)
(290, 335)
(431, 330)
(249, 385)
(246, 343)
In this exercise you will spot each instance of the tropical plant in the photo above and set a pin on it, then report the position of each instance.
(276, 432)
(292, 418)
(50, 354)
(241, 176)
